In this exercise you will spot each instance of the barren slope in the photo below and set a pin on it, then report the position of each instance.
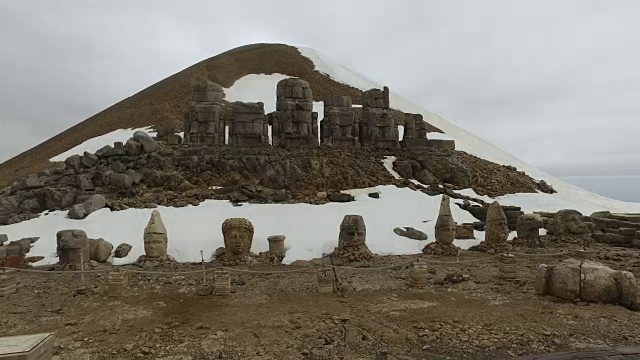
(164, 102)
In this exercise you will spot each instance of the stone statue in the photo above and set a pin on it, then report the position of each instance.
(589, 281)
(339, 127)
(73, 248)
(352, 240)
(570, 223)
(496, 231)
(294, 123)
(203, 120)
(445, 232)
(529, 229)
(249, 126)
(155, 237)
(378, 127)
(238, 236)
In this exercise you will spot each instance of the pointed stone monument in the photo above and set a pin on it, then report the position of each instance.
(155, 243)
(496, 231)
(445, 232)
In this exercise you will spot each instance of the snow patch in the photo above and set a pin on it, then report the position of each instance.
(311, 230)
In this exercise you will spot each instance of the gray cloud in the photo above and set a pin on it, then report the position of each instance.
(554, 83)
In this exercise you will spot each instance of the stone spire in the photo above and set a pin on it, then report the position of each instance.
(496, 231)
(445, 232)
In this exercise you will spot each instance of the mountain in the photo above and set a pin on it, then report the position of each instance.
(250, 73)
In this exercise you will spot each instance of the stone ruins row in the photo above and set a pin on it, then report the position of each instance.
(295, 124)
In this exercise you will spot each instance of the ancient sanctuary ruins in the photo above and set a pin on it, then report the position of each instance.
(295, 124)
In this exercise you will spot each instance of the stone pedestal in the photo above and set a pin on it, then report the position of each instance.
(326, 281)
(508, 267)
(8, 282)
(116, 283)
(418, 275)
(221, 283)
(276, 244)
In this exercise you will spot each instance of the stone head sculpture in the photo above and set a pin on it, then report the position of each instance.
(353, 231)
(73, 247)
(238, 236)
(155, 237)
(445, 230)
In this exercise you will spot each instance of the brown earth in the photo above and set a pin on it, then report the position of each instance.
(163, 103)
(281, 316)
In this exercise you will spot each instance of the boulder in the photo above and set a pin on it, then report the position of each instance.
(100, 250)
(374, 195)
(73, 162)
(122, 250)
(133, 148)
(410, 233)
(104, 151)
(89, 160)
(340, 197)
(3, 238)
(564, 279)
(84, 183)
(426, 178)
(148, 144)
(465, 232)
(121, 181)
(92, 204)
(569, 222)
(589, 281)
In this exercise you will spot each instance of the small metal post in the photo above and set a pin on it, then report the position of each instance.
(204, 274)
(82, 267)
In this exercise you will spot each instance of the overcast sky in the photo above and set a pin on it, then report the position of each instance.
(556, 83)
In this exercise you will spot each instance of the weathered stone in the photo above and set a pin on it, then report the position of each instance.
(378, 126)
(99, 250)
(92, 204)
(3, 252)
(249, 126)
(104, 151)
(465, 232)
(77, 212)
(133, 147)
(155, 237)
(148, 144)
(529, 229)
(89, 160)
(121, 181)
(204, 121)
(340, 197)
(445, 231)
(410, 233)
(415, 132)
(73, 163)
(122, 250)
(174, 139)
(118, 167)
(73, 248)
(425, 177)
(497, 230)
(294, 123)
(238, 237)
(352, 239)
(84, 183)
(339, 127)
(569, 222)
(589, 281)
(3, 238)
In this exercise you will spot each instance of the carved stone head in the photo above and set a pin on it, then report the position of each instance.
(155, 237)
(353, 231)
(238, 236)
(71, 239)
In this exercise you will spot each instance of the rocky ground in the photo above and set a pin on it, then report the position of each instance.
(145, 173)
(466, 312)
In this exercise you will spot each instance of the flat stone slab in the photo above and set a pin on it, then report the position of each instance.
(28, 347)
(622, 353)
